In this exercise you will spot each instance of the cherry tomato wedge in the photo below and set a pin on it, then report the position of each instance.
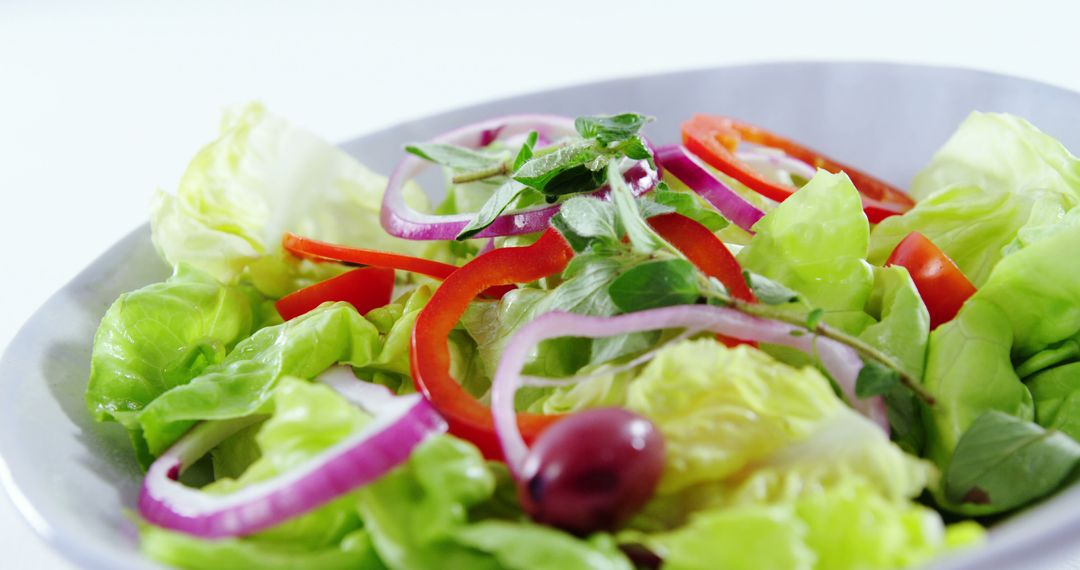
(430, 355)
(323, 251)
(714, 140)
(365, 288)
(941, 284)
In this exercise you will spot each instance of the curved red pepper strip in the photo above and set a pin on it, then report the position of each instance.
(365, 289)
(704, 250)
(322, 251)
(430, 354)
(714, 139)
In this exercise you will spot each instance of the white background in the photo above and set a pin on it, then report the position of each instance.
(100, 104)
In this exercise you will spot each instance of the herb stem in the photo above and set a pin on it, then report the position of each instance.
(500, 169)
(858, 345)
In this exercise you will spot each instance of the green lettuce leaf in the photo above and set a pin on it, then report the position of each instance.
(1000, 153)
(524, 546)
(244, 381)
(1056, 393)
(261, 178)
(307, 419)
(761, 429)
(179, 550)
(973, 227)
(1030, 302)
(161, 336)
(844, 527)
(969, 372)
(419, 519)
(815, 243)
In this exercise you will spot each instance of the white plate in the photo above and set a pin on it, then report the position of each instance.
(74, 479)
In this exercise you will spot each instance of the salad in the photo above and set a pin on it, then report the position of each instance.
(597, 351)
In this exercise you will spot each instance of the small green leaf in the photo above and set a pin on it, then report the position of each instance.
(456, 157)
(499, 201)
(590, 217)
(577, 242)
(526, 151)
(610, 128)
(1007, 462)
(642, 237)
(814, 318)
(690, 206)
(635, 148)
(650, 208)
(655, 284)
(539, 171)
(875, 379)
(768, 291)
(573, 181)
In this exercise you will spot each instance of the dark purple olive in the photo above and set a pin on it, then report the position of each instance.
(592, 471)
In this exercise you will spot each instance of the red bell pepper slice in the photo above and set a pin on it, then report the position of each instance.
(323, 251)
(430, 354)
(365, 289)
(714, 139)
(704, 250)
(941, 284)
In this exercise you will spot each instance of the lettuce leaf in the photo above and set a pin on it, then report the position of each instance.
(308, 418)
(993, 180)
(419, 519)
(261, 178)
(973, 227)
(354, 552)
(162, 336)
(1030, 302)
(1056, 393)
(1000, 153)
(815, 242)
(244, 381)
(763, 430)
(845, 527)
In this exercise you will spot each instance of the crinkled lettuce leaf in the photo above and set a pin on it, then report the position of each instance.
(1028, 305)
(1030, 302)
(244, 380)
(261, 178)
(903, 323)
(163, 335)
(845, 527)
(815, 242)
(763, 430)
(975, 228)
(1000, 153)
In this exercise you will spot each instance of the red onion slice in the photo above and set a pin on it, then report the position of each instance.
(682, 164)
(842, 363)
(399, 220)
(403, 423)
